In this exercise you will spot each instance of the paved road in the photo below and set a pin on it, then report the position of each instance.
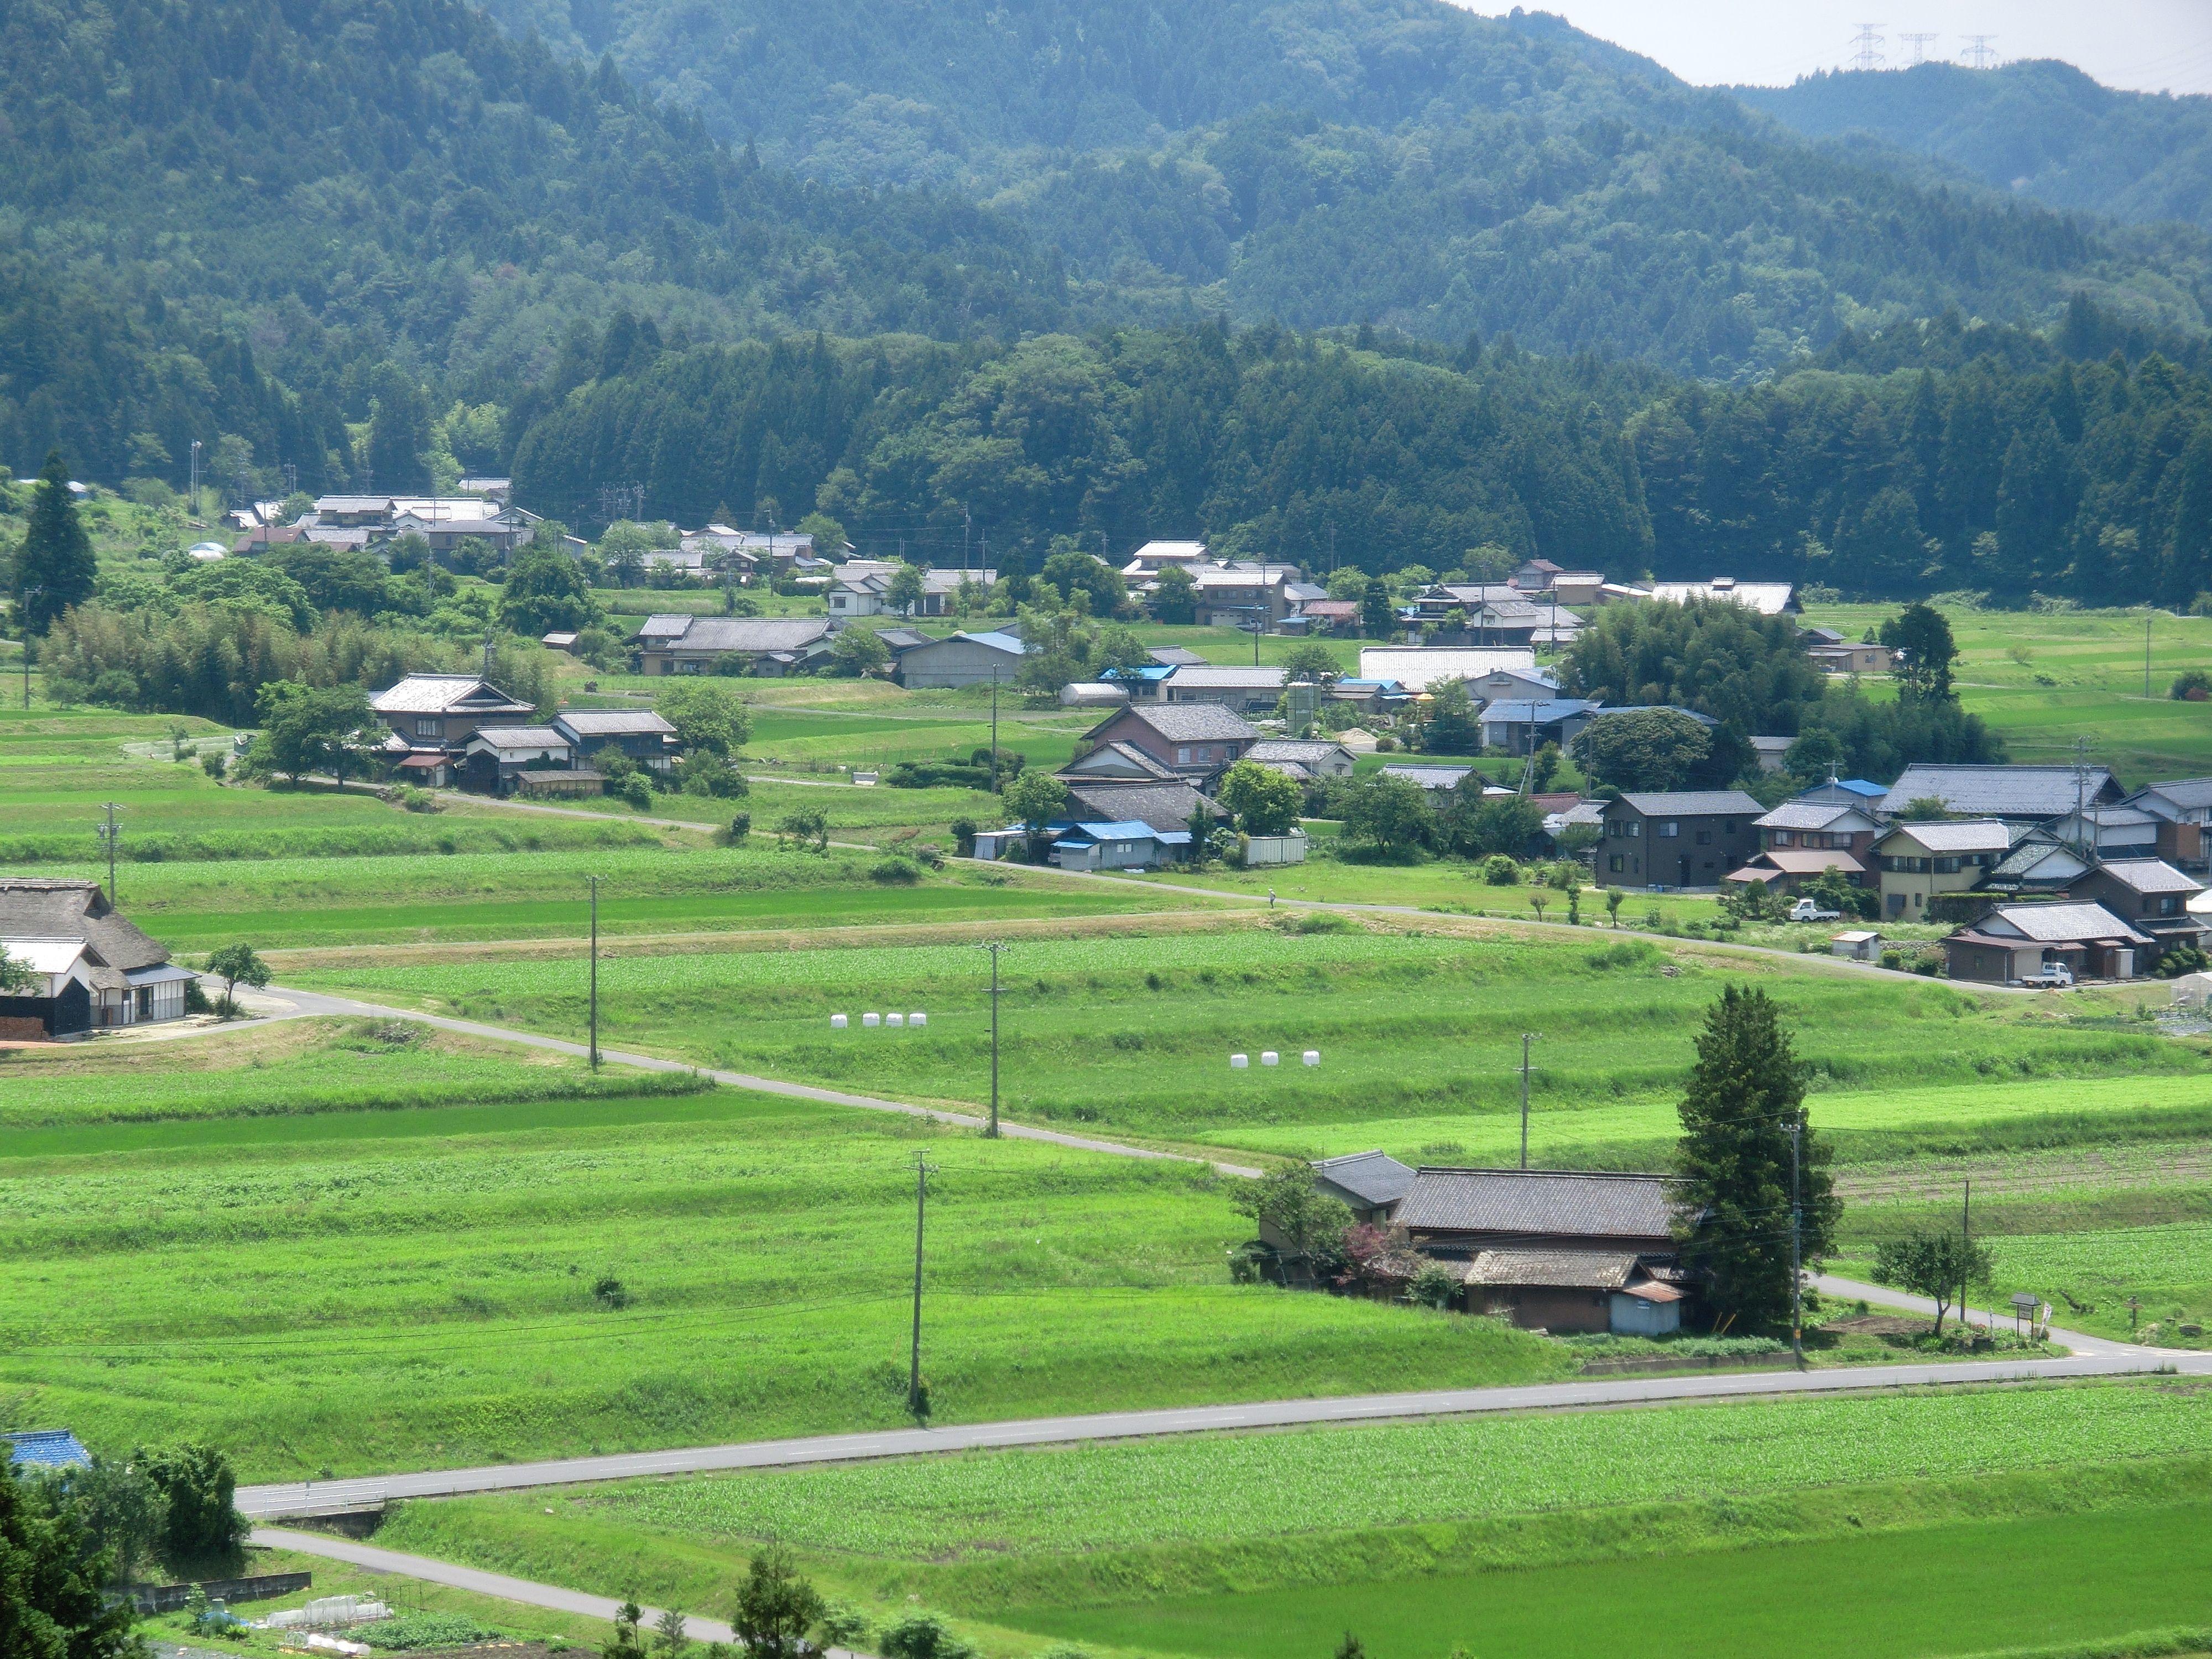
(2094, 1357)
(280, 1002)
(469, 1578)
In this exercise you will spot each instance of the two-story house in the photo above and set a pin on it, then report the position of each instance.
(639, 733)
(1688, 838)
(1919, 862)
(1240, 594)
(433, 715)
(2151, 896)
(2182, 806)
(1194, 740)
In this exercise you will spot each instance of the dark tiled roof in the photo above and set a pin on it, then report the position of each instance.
(1163, 806)
(1135, 758)
(1697, 803)
(1178, 656)
(1191, 722)
(2021, 791)
(2150, 876)
(1596, 1270)
(2180, 792)
(35, 909)
(1539, 1202)
(613, 722)
(1375, 1178)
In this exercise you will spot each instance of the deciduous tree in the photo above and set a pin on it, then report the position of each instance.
(1266, 802)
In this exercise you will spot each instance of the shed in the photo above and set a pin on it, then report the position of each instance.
(1858, 944)
(1128, 844)
(46, 1449)
(1573, 1290)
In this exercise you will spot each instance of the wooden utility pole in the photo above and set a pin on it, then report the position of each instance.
(110, 833)
(914, 1399)
(994, 946)
(1527, 1038)
(594, 882)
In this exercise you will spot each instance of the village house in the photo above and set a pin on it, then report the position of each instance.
(1246, 691)
(1767, 598)
(1244, 595)
(1420, 668)
(1371, 1185)
(2018, 794)
(862, 588)
(2151, 896)
(2182, 807)
(1197, 740)
(642, 735)
(1155, 556)
(961, 659)
(2016, 942)
(1554, 1250)
(677, 643)
(1303, 758)
(1519, 727)
(94, 970)
(1689, 838)
(1920, 862)
(433, 715)
(2120, 831)
(492, 761)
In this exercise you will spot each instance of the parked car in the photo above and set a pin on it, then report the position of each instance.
(1809, 910)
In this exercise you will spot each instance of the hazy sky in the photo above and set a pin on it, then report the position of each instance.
(2149, 46)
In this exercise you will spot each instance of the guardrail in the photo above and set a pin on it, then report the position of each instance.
(304, 1499)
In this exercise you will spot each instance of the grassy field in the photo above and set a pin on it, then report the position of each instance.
(1417, 1032)
(295, 903)
(2043, 680)
(1421, 1536)
(313, 1286)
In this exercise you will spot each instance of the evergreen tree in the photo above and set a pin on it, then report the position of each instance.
(399, 435)
(56, 556)
(1746, 1092)
(52, 1580)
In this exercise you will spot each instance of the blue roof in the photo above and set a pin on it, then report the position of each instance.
(1128, 829)
(1370, 685)
(1861, 786)
(46, 1449)
(1157, 672)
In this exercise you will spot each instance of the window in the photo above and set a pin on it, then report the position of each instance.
(1182, 757)
(690, 666)
(1635, 828)
(429, 728)
(2169, 904)
(1704, 838)
(1728, 826)
(1205, 754)
(1946, 867)
(1919, 899)
(1670, 828)
(1614, 863)
(1784, 838)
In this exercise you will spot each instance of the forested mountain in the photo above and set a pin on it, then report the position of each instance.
(203, 193)
(2088, 481)
(2039, 128)
(1403, 161)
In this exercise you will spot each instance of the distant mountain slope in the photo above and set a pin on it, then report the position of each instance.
(1406, 161)
(2040, 128)
(345, 183)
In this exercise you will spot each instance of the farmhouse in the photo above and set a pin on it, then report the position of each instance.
(863, 589)
(1686, 839)
(1919, 862)
(639, 733)
(2016, 942)
(1416, 669)
(1195, 739)
(1303, 758)
(961, 659)
(492, 761)
(1522, 726)
(95, 970)
(2182, 807)
(677, 643)
(2150, 896)
(433, 712)
(1565, 1250)
(1768, 598)
(1246, 691)
(2018, 794)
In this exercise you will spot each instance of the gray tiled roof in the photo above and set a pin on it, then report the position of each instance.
(613, 722)
(519, 736)
(1210, 678)
(1696, 804)
(2000, 791)
(2194, 793)
(1164, 806)
(1974, 836)
(2150, 876)
(1294, 749)
(2060, 924)
(1537, 1202)
(1376, 1178)
(755, 635)
(34, 907)
(434, 694)
(1178, 656)
(1805, 815)
(1596, 1270)
(1193, 722)
(1135, 758)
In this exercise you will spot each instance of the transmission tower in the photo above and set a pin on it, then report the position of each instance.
(1983, 54)
(1869, 43)
(1919, 45)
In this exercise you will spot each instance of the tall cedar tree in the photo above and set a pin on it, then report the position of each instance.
(52, 1579)
(1746, 1090)
(57, 555)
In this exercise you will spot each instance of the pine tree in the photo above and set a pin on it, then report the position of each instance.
(56, 556)
(1746, 1091)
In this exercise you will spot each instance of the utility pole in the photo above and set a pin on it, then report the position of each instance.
(110, 834)
(914, 1368)
(1867, 41)
(1797, 1268)
(994, 731)
(2147, 615)
(23, 623)
(1966, 1256)
(594, 882)
(192, 496)
(1527, 1038)
(993, 947)
(967, 525)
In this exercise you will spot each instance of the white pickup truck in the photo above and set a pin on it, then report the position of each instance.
(1809, 910)
(2054, 976)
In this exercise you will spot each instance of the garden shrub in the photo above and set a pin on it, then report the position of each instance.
(964, 837)
(922, 1635)
(741, 825)
(1500, 871)
(894, 872)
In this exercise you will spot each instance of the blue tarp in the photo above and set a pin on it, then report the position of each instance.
(46, 1449)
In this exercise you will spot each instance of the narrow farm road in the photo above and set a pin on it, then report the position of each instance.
(331, 1497)
(278, 1002)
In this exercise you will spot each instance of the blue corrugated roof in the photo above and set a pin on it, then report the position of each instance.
(1127, 829)
(46, 1449)
(1157, 672)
